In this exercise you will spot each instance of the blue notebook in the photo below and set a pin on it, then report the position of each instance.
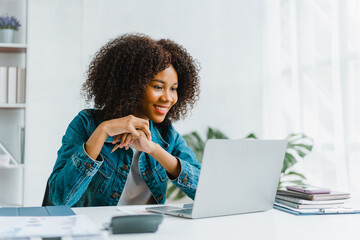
(36, 211)
(315, 211)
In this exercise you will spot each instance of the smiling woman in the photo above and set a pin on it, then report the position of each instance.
(161, 95)
(125, 149)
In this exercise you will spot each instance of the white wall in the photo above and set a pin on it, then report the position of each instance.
(53, 85)
(224, 37)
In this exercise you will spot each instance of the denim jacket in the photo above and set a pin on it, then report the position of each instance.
(79, 181)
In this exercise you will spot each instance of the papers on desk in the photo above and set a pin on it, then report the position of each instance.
(64, 226)
(126, 210)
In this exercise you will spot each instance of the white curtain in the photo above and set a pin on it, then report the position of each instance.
(312, 84)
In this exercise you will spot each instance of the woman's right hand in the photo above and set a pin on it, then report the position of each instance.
(129, 124)
(117, 128)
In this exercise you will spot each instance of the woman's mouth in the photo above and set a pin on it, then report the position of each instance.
(161, 109)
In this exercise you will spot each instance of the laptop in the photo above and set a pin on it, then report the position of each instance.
(237, 176)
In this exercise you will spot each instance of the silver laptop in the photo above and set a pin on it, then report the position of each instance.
(237, 176)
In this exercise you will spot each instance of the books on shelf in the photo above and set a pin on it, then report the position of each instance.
(3, 84)
(12, 84)
(12, 75)
(20, 85)
(21, 137)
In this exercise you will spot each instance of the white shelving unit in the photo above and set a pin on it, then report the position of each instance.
(13, 47)
(12, 116)
(14, 105)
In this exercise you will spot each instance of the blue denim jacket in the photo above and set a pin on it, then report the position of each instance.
(79, 181)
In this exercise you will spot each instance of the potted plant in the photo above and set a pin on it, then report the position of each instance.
(299, 145)
(8, 26)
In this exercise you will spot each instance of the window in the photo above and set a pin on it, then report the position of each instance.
(319, 72)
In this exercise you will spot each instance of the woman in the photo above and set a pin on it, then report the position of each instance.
(125, 150)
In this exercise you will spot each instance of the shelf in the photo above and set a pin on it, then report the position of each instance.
(13, 47)
(12, 105)
(12, 166)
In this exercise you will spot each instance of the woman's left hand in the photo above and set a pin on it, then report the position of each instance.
(143, 144)
(140, 143)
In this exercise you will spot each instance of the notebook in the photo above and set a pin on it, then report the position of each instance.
(237, 176)
(333, 195)
(36, 211)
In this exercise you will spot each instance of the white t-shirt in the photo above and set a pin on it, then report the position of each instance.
(135, 192)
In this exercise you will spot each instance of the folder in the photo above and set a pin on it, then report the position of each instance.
(318, 211)
(36, 211)
(3, 84)
(12, 76)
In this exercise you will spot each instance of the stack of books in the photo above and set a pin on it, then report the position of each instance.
(311, 203)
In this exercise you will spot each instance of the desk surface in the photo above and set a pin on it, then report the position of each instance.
(271, 224)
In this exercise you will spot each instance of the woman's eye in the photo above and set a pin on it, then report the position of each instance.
(157, 87)
(173, 89)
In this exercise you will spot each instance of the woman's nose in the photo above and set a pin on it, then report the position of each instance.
(166, 96)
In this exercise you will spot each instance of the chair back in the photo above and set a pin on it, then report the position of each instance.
(46, 199)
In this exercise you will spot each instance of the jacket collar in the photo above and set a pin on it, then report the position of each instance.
(156, 136)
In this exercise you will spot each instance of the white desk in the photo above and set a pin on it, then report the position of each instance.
(272, 224)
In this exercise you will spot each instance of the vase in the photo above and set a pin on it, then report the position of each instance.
(7, 35)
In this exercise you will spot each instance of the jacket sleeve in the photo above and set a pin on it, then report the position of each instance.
(190, 167)
(73, 169)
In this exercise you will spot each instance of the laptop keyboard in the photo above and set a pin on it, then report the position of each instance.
(167, 208)
(184, 211)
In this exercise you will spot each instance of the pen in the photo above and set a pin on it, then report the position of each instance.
(115, 147)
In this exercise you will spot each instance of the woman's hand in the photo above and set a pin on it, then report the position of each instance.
(128, 126)
(141, 143)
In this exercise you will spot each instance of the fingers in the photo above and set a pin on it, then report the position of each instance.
(123, 138)
(116, 139)
(127, 141)
(128, 124)
(127, 129)
(133, 131)
(145, 128)
(135, 123)
(147, 134)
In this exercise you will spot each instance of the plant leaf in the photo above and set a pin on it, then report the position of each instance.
(295, 173)
(296, 182)
(289, 161)
(251, 135)
(300, 146)
(215, 134)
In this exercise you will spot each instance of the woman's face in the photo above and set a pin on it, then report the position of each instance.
(160, 95)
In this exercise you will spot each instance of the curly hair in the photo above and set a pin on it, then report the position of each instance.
(118, 75)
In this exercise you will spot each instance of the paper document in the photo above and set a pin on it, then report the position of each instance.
(132, 210)
(64, 226)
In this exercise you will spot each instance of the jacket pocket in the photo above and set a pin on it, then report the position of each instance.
(102, 177)
(161, 172)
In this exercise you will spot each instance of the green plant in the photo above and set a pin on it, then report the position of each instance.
(299, 145)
